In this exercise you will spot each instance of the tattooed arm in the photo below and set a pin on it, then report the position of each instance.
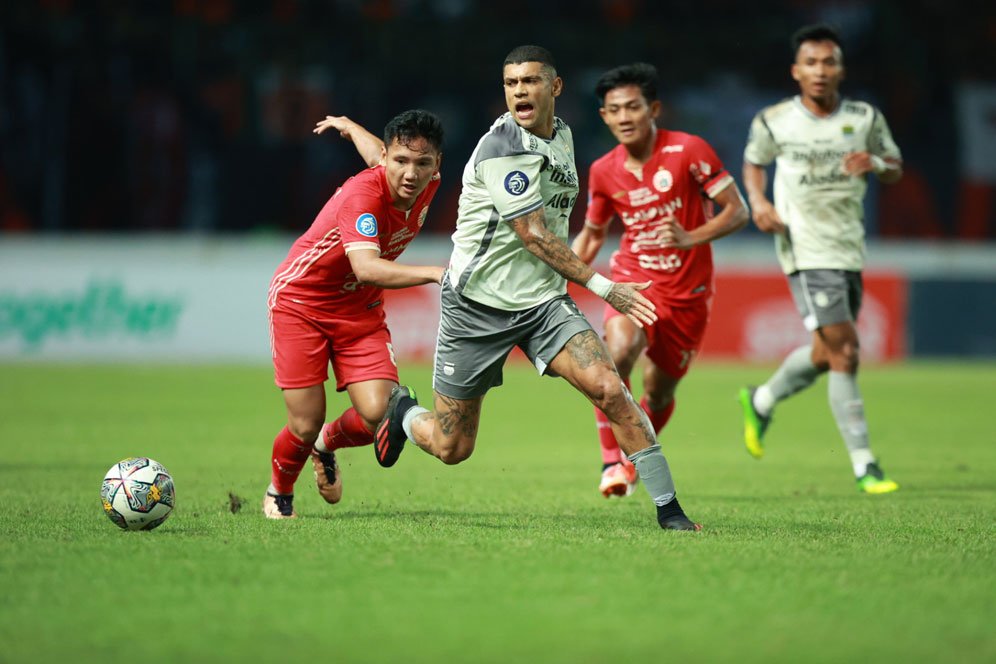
(540, 242)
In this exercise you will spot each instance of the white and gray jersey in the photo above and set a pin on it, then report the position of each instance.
(512, 172)
(820, 204)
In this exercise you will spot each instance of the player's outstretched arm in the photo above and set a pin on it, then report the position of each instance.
(540, 242)
(370, 268)
(756, 183)
(370, 147)
(589, 241)
(732, 217)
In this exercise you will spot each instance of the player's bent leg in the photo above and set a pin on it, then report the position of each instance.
(451, 432)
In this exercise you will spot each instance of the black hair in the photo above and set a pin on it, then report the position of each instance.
(530, 53)
(408, 126)
(639, 74)
(815, 32)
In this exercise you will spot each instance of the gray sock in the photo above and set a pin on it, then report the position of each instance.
(655, 474)
(849, 412)
(410, 415)
(796, 373)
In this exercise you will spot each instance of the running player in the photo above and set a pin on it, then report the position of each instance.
(506, 286)
(823, 147)
(661, 184)
(325, 301)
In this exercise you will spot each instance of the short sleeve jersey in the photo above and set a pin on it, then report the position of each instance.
(819, 203)
(679, 180)
(317, 274)
(512, 172)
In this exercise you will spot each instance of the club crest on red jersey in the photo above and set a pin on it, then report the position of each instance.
(663, 180)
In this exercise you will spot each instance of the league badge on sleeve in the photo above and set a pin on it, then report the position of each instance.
(366, 225)
(516, 183)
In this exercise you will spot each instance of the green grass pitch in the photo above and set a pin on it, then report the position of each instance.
(511, 556)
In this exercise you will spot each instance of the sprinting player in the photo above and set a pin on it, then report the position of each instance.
(325, 301)
(661, 184)
(823, 147)
(506, 287)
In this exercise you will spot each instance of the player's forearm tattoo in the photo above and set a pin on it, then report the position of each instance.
(460, 416)
(549, 248)
(586, 349)
(621, 299)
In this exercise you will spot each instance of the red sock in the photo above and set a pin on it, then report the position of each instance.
(348, 431)
(610, 446)
(658, 417)
(290, 453)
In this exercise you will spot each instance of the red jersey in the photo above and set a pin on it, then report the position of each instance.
(317, 274)
(680, 179)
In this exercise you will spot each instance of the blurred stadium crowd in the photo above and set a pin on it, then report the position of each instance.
(186, 115)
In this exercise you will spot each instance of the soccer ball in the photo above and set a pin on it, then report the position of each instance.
(137, 493)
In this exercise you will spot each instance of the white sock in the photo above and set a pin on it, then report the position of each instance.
(860, 460)
(764, 401)
(410, 415)
(320, 442)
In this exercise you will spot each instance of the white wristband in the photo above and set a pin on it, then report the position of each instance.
(879, 165)
(599, 285)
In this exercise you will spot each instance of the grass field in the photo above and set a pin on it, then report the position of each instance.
(511, 556)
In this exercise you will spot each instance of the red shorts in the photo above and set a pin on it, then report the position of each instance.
(358, 346)
(675, 339)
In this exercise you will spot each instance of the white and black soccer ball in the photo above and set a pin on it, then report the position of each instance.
(137, 493)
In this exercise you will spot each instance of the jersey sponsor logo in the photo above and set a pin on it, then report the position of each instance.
(366, 225)
(830, 178)
(663, 180)
(516, 183)
(817, 157)
(669, 263)
(651, 213)
(642, 196)
(672, 148)
(562, 173)
(561, 201)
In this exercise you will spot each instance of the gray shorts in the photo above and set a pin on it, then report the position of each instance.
(474, 340)
(825, 297)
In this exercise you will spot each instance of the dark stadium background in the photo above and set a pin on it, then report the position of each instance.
(196, 116)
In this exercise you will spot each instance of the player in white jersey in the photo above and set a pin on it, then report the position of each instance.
(823, 147)
(506, 286)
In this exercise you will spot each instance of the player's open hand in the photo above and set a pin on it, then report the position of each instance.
(766, 217)
(674, 235)
(340, 123)
(626, 300)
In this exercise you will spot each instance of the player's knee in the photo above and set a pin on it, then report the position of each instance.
(609, 394)
(305, 428)
(453, 455)
(847, 358)
(659, 399)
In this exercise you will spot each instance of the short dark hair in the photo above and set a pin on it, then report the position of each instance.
(638, 73)
(530, 53)
(815, 32)
(408, 126)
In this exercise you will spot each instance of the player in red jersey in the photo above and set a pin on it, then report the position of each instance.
(662, 185)
(326, 301)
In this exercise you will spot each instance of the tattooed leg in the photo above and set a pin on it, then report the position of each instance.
(586, 365)
(450, 431)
